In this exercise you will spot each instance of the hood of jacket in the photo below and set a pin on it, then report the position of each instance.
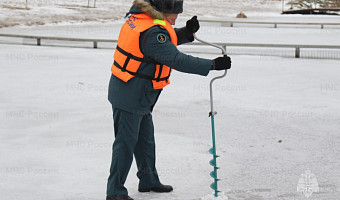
(144, 6)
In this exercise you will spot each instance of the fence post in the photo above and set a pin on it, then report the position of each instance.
(297, 52)
(38, 41)
(95, 44)
(275, 25)
(322, 26)
(231, 24)
(224, 24)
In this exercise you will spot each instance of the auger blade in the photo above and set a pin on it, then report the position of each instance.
(213, 162)
(213, 174)
(214, 187)
(212, 151)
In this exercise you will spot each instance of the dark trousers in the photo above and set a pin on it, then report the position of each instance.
(134, 135)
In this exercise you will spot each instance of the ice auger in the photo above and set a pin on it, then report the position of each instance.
(212, 114)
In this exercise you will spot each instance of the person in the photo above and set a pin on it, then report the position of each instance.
(145, 55)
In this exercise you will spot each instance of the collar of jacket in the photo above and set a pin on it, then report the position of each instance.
(141, 6)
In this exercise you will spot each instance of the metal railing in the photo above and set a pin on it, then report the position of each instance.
(297, 47)
(39, 38)
(231, 23)
(95, 42)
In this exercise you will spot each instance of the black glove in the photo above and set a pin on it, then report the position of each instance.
(221, 63)
(192, 25)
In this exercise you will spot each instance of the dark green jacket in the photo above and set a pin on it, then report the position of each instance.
(137, 95)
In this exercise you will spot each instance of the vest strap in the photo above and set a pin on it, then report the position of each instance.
(142, 75)
(160, 73)
(131, 56)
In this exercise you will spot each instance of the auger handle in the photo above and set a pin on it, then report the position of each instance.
(211, 44)
(215, 78)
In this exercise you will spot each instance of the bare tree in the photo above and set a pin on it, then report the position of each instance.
(309, 4)
(88, 3)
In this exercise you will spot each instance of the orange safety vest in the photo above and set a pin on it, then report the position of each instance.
(128, 56)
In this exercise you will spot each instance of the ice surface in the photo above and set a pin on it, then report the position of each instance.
(221, 196)
(56, 127)
(39, 12)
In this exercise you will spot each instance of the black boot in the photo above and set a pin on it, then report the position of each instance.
(119, 197)
(161, 188)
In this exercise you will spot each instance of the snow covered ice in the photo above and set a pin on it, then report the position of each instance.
(278, 116)
(221, 196)
(39, 12)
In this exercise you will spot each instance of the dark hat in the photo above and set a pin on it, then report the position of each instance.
(168, 6)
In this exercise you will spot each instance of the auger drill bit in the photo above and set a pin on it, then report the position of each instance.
(213, 162)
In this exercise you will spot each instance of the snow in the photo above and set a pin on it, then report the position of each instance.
(42, 12)
(57, 132)
(221, 196)
(59, 11)
(277, 116)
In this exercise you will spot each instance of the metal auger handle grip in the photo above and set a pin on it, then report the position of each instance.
(211, 44)
(215, 78)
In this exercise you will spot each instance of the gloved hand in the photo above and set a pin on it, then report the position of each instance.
(192, 25)
(221, 63)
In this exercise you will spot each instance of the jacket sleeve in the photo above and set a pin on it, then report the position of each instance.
(183, 36)
(167, 53)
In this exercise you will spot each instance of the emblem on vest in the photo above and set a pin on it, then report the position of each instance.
(130, 22)
(161, 38)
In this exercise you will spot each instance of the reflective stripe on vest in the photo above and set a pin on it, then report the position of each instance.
(128, 57)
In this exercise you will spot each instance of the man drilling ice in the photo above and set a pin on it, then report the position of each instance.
(144, 58)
